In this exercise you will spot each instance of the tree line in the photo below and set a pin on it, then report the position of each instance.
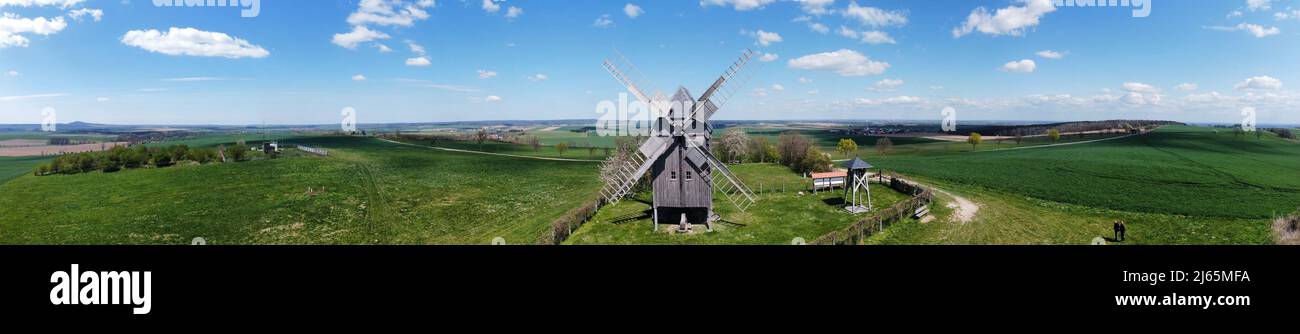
(792, 149)
(139, 156)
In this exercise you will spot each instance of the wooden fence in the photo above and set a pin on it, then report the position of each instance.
(864, 228)
(312, 150)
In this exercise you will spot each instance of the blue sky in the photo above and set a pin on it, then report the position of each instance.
(300, 62)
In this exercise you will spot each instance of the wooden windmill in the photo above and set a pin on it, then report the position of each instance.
(683, 171)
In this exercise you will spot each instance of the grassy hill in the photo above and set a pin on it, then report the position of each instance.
(1177, 170)
(12, 167)
(366, 192)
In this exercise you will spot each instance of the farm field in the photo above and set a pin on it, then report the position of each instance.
(1176, 170)
(776, 219)
(13, 167)
(366, 192)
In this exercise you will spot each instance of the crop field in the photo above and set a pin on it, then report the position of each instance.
(1174, 170)
(776, 219)
(366, 192)
(12, 167)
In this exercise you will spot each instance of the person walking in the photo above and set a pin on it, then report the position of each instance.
(1122, 229)
(1115, 227)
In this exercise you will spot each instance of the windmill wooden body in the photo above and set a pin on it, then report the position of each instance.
(684, 174)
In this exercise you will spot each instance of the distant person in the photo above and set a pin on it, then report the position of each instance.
(1116, 228)
(1122, 229)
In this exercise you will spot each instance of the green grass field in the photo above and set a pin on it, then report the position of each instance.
(369, 192)
(12, 167)
(776, 219)
(1174, 170)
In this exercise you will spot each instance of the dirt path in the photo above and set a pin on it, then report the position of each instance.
(964, 209)
(1061, 144)
(490, 153)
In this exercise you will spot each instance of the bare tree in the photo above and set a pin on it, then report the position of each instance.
(481, 136)
(535, 142)
(884, 145)
(793, 148)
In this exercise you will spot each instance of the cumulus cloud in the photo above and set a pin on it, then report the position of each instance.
(875, 17)
(1259, 83)
(491, 6)
(1049, 54)
(818, 28)
(816, 7)
(12, 28)
(870, 37)
(358, 35)
(603, 22)
(1256, 30)
(1010, 21)
(1258, 5)
(389, 13)
(1186, 87)
(1140, 87)
(538, 77)
(418, 62)
(768, 57)
(485, 74)
(358, 77)
(1020, 66)
(844, 62)
(492, 98)
(11, 73)
(897, 100)
(193, 42)
(514, 12)
(767, 38)
(740, 5)
(632, 10)
(383, 48)
(95, 14)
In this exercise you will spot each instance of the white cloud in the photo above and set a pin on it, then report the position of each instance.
(814, 92)
(490, 6)
(1254, 29)
(418, 62)
(194, 79)
(877, 37)
(767, 38)
(13, 26)
(101, 99)
(389, 13)
(818, 28)
(65, 4)
(1049, 54)
(383, 48)
(1235, 13)
(768, 57)
(11, 73)
(485, 74)
(514, 12)
(875, 17)
(1139, 87)
(844, 62)
(759, 92)
(193, 42)
(1260, 83)
(887, 85)
(1287, 14)
(740, 5)
(816, 7)
(778, 88)
(492, 98)
(415, 48)
(1020, 66)
(603, 22)
(1010, 21)
(538, 77)
(359, 34)
(95, 14)
(1186, 87)
(632, 10)
(358, 77)
(1258, 5)
(804, 80)
(897, 100)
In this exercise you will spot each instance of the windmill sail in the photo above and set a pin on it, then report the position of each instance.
(724, 88)
(736, 191)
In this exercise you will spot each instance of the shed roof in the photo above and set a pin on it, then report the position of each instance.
(828, 175)
(856, 163)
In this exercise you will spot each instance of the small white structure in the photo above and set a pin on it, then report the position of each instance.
(857, 190)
